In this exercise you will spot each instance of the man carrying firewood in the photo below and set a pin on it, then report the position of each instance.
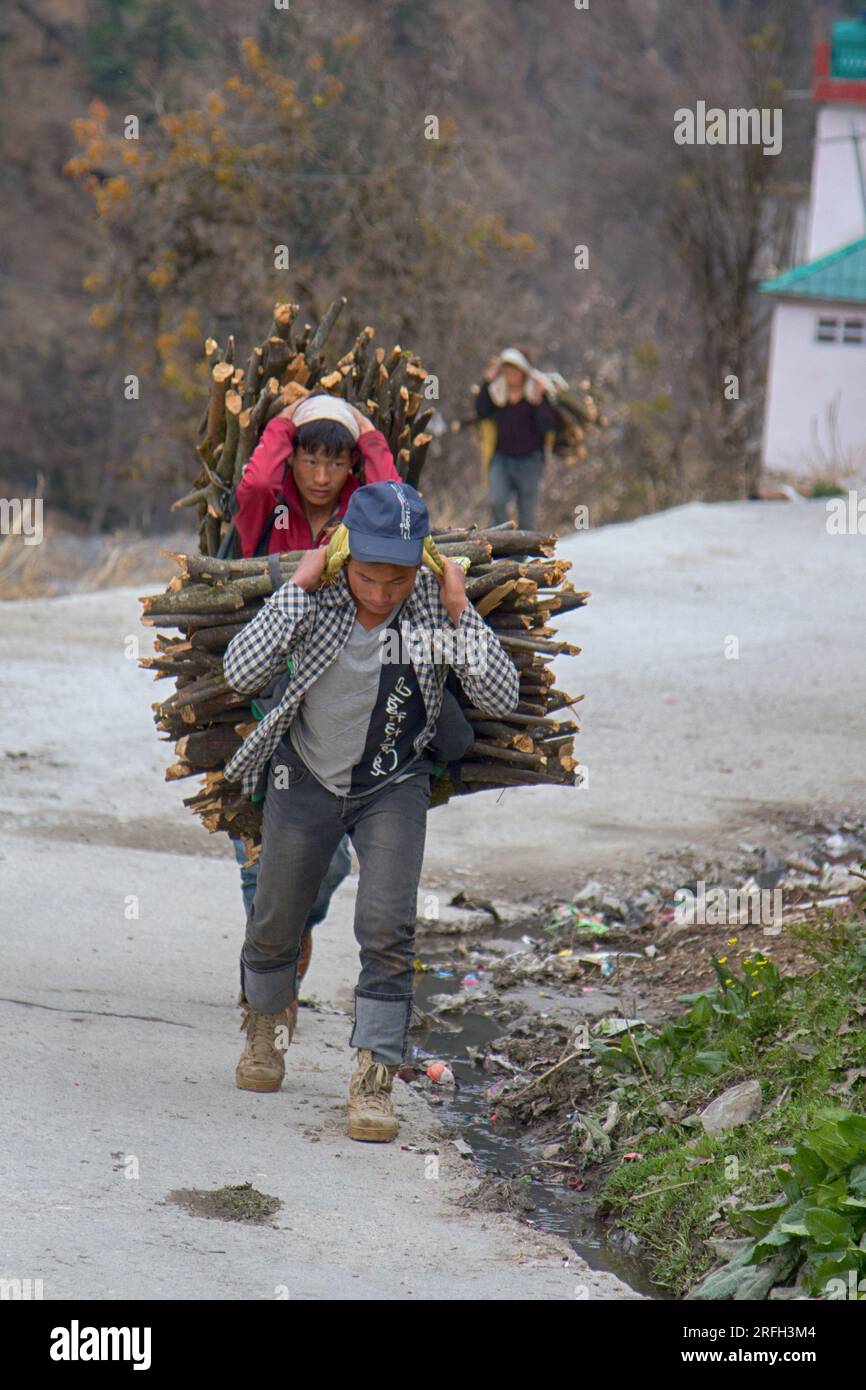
(516, 416)
(295, 487)
(345, 752)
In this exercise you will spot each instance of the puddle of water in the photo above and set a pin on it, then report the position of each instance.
(502, 1152)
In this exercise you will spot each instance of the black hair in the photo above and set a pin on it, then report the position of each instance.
(327, 437)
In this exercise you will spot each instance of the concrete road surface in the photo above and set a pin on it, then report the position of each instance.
(724, 667)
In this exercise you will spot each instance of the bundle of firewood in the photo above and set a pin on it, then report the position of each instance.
(513, 578)
(580, 415)
(385, 385)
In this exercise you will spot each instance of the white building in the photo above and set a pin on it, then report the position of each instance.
(815, 421)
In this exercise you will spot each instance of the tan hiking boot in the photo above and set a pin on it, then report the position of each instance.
(371, 1109)
(262, 1063)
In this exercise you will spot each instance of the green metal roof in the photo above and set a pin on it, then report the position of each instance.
(841, 275)
(848, 49)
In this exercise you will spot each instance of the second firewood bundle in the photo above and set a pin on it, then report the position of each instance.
(387, 385)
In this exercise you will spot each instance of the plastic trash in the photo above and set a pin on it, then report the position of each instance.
(569, 918)
(441, 1074)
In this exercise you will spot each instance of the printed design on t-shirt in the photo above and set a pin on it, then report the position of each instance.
(397, 718)
(385, 761)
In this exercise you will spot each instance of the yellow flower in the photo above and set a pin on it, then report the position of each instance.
(723, 960)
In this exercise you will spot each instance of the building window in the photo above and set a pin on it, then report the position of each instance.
(834, 330)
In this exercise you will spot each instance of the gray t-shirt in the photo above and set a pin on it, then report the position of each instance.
(357, 723)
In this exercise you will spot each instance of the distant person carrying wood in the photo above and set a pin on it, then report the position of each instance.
(516, 415)
(347, 752)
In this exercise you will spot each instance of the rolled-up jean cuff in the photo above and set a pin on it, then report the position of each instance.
(269, 991)
(382, 1025)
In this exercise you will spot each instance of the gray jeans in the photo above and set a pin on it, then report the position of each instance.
(301, 827)
(515, 475)
(339, 868)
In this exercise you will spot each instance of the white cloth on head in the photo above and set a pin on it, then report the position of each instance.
(514, 357)
(325, 407)
(498, 387)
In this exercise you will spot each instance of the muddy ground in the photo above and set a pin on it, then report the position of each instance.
(515, 1002)
(614, 955)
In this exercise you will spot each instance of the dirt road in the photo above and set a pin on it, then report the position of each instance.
(689, 748)
(118, 973)
(121, 923)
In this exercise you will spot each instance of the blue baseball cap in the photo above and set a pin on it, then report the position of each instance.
(387, 524)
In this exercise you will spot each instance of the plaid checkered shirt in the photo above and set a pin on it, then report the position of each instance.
(312, 629)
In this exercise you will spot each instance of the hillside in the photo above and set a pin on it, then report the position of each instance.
(555, 130)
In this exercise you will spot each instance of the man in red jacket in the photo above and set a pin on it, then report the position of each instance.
(300, 477)
(295, 487)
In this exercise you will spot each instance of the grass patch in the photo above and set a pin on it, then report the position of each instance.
(803, 1039)
(240, 1203)
(827, 487)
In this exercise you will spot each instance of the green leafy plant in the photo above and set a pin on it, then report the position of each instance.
(817, 1228)
(737, 994)
(712, 1017)
(802, 1035)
